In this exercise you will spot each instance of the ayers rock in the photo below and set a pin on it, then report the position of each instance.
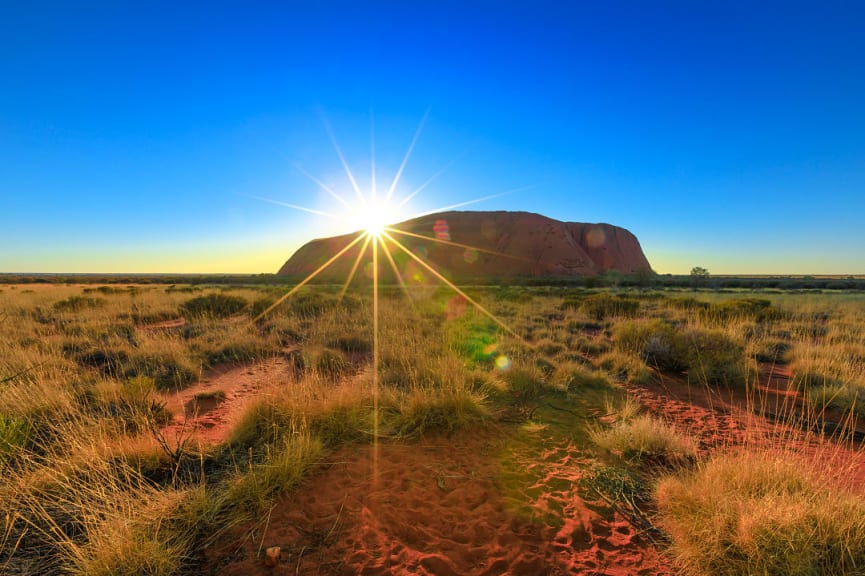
(481, 245)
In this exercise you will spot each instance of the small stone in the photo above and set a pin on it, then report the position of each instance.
(272, 556)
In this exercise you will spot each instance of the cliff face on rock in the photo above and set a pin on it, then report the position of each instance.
(480, 245)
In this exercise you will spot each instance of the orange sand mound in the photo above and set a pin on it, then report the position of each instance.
(442, 506)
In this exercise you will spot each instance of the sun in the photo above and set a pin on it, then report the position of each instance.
(373, 217)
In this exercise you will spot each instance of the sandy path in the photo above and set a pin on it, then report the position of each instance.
(481, 502)
(205, 411)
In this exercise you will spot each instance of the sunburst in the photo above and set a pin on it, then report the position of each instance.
(372, 216)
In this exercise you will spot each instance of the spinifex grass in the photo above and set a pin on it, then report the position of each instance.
(87, 488)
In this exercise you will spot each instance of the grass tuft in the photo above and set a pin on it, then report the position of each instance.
(754, 513)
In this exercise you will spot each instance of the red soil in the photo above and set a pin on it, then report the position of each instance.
(767, 417)
(442, 506)
(206, 419)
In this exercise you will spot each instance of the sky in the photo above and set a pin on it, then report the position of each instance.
(170, 136)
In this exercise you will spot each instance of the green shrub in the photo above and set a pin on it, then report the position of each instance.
(78, 303)
(707, 356)
(285, 464)
(572, 376)
(603, 305)
(14, 434)
(310, 304)
(169, 372)
(657, 343)
(576, 326)
(526, 385)
(351, 344)
(331, 364)
(715, 358)
(214, 305)
(754, 308)
(847, 397)
(625, 367)
(260, 305)
(772, 350)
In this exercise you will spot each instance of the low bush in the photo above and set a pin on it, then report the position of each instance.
(14, 434)
(707, 356)
(625, 367)
(168, 371)
(847, 397)
(526, 385)
(604, 305)
(715, 358)
(331, 364)
(78, 303)
(772, 350)
(573, 376)
(214, 305)
(351, 344)
(658, 343)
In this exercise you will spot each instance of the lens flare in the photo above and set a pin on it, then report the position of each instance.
(372, 218)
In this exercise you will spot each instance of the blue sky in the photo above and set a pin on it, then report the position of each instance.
(140, 138)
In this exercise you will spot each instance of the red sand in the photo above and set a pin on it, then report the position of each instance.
(762, 418)
(209, 421)
(442, 506)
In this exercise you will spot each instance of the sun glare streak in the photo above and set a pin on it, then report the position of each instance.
(375, 358)
(372, 191)
(456, 289)
(396, 272)
(450, 243)
(429, 181)
(323, 186)
(301, 208)
(342, 160)
(315, 273)
(406, 157)
(354, 267)
(476, 200)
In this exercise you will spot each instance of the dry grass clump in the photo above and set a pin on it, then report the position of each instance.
(574, 377)
(646, 440)
(604, 304)
(625, 367)
(761, 513)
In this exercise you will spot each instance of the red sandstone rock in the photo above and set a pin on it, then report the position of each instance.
(482, 245)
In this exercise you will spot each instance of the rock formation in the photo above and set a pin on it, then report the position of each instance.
(481, 245)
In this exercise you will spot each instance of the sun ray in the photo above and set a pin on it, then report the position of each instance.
(323, 186)
(457, 244)
(375, 359)
(428, 181)
(372, 191)
(315, 273)
(354, 267)
(476, 200)
(406, 157)
(298, 207)
(342, 160)
(456, 289)
(396, 271)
